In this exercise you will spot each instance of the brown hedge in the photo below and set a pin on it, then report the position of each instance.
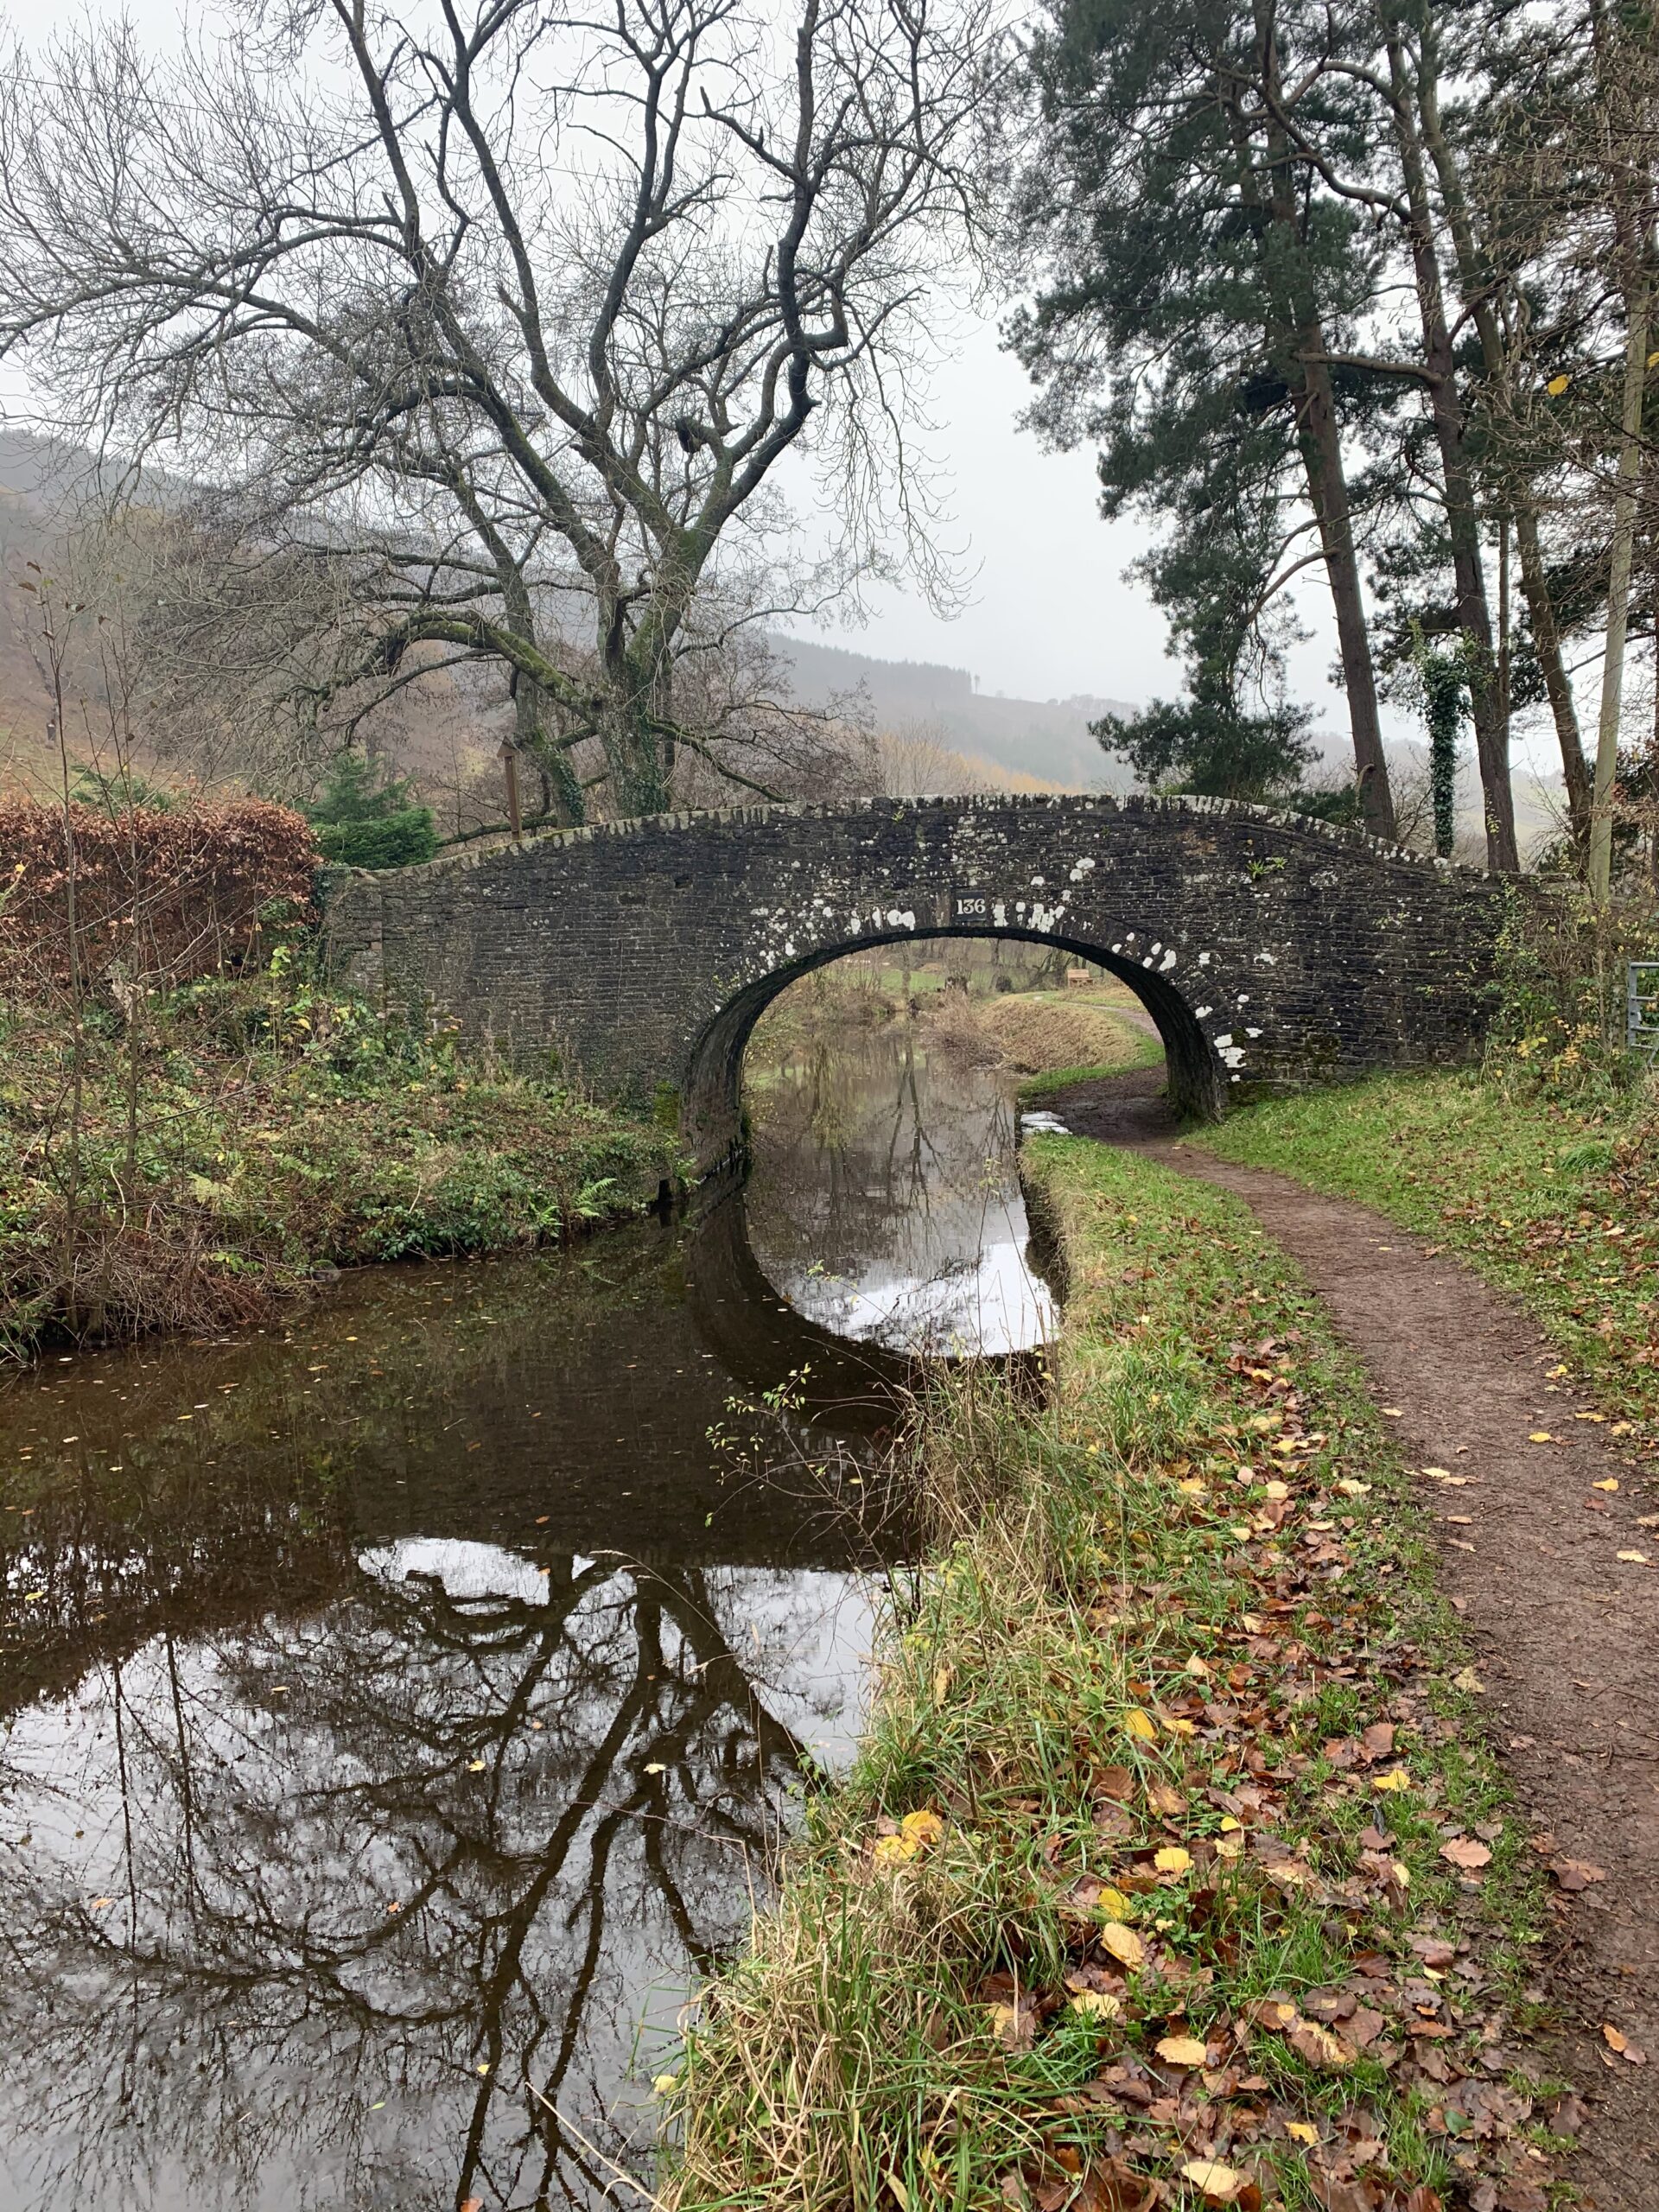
(160, 895)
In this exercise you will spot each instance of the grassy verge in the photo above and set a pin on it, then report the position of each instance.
(1173, 1870)
(1553, 1198)
(265, 1129)
(1137, 1051)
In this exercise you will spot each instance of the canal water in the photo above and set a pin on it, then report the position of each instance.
(400, 1707)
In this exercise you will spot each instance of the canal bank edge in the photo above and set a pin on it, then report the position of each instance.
(283, 1132)
(1175, 1868)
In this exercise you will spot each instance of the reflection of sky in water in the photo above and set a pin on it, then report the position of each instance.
(990, 1303)
(308, 1660)
(310, 1913)
(885, 1202)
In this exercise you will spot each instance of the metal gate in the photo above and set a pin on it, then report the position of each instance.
(1642, 1027)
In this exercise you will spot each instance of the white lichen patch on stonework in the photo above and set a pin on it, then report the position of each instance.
(1080, 869)
(1203, 960)
(906, 920)
(1231, 1053)
(1167, 962)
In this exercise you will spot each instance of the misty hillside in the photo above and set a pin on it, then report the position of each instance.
(1048, 739)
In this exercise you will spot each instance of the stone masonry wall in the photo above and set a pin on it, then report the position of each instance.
(1271, 949)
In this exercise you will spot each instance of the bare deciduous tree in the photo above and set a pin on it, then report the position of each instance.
(508, 317)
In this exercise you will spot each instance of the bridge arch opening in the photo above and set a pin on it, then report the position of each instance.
(711, 1106)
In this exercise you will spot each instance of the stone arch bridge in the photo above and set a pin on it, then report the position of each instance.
(1270, 950)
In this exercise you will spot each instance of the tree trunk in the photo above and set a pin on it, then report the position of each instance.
(633, 756)
(1618, 583)
(1474, 615)
(1546, 643)
(1473, 283)
(541, 746)
(1319, 439)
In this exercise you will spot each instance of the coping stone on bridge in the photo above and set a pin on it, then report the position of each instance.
(1272, 949)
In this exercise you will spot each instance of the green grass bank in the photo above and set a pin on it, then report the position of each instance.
(249, 1134)
(1552, 1195)
(1174, 1869)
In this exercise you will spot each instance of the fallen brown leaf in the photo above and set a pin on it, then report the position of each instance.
(1464, 1851)
(1319, 2047)
(1110, 2186)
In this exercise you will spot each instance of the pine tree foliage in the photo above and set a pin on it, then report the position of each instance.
(1363, 290)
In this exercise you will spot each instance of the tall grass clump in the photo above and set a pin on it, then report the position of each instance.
(1123, 1898)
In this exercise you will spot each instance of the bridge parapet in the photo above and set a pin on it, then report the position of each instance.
(1271, 949)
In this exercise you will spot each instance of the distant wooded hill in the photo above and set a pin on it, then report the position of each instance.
(1047, 738)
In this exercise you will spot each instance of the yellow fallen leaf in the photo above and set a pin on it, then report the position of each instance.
(1124, 1943)
(923, 1826)
(1136, 1723)
(475, 1766)
(1557, 385)
(1199, 1667)
(1229, 1824)
(1194, 1486)
(1612, 1483)
(1467, 1679)
(100, 1903)
(1218, 2182)
(1172, 1859)
(1397, 1778)
(1095, 2005)
(896, 1850)
(1114, 1904)
(1540, 1436)
(1277, 1489)
(1302, 2131)
(1179, 1727)
(656, 1766)
(1183, 2050)
(1349, 1488)
(1636, 1559)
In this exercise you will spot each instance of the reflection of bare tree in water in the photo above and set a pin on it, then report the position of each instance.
(368, 1898)
(885, 1170)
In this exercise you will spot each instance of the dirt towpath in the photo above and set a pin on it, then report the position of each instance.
(1567, 1633)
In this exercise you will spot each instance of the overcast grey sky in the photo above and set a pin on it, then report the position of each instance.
(1050, 614)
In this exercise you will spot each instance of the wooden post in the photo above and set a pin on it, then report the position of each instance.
(510, 761)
